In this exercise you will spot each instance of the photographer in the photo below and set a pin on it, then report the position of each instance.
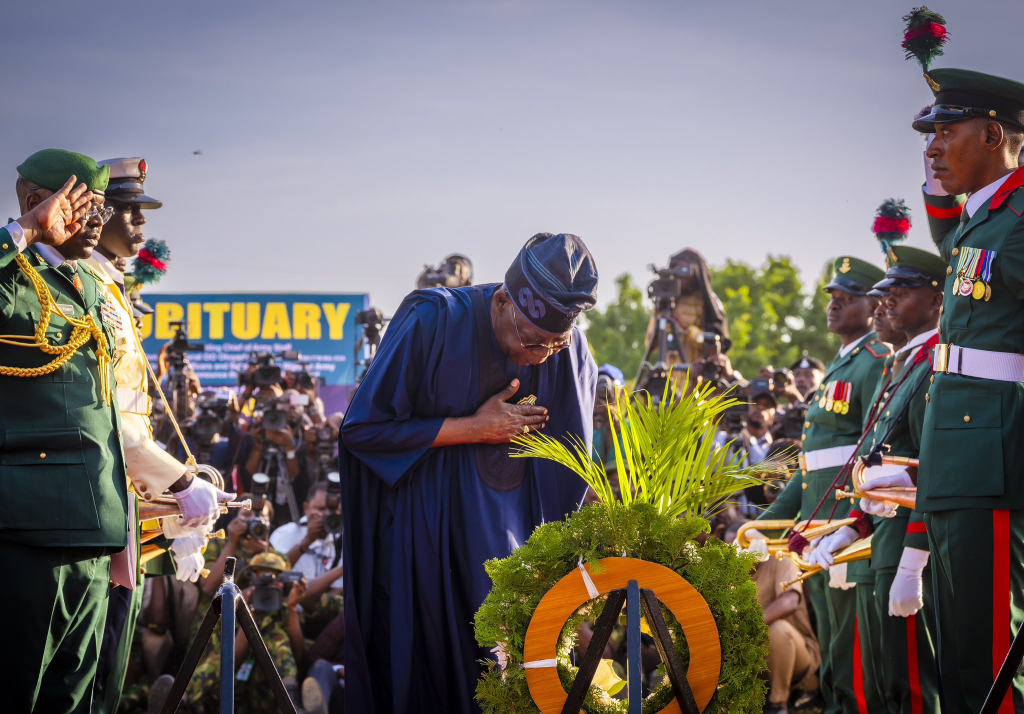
(455, 271)
(273, 593)
(247, 536)
(308, 543)
(306, 384)
(274, 446)
(213, 433)
(696, 309)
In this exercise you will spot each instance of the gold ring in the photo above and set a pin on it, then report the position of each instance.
(526, 429)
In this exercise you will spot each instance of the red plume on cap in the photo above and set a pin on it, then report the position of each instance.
(924, 35)
(892, 223)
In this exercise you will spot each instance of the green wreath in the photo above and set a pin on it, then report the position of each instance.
(670, 478)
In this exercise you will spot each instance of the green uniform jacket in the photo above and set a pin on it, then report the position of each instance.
(63, 481)
(861, 367)
(971, 447)
(905, 440)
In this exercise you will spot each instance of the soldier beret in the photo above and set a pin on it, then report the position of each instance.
(51, 168)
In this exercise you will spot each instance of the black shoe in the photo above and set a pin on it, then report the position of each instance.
(809, 703)
(770, 708)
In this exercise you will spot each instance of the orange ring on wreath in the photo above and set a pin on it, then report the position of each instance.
(572, 592)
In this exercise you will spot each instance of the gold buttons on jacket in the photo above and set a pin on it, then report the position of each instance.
(967, 419)
(807, 424)
(6, 246)
(803, 437)
(804, 485)
(59, 336)
(956, 252)
(927, 397)
(932, 379)
(42, 456)
(949, 270)
(887, 413)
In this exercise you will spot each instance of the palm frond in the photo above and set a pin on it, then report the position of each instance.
(665, 454)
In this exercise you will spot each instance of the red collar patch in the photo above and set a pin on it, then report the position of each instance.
(1011, 184)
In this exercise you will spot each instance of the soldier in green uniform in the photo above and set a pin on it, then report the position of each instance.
(904, 647)
(63, 507)
(829, 440)
(868, 619)
(969, 485)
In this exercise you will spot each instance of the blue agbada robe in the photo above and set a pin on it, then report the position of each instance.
(420, 522)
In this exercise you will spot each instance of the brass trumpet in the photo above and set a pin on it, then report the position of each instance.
(166, 506)
(898, 496)
(779, 547)
(861, 550)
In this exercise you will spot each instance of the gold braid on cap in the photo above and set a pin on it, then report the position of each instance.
(82, 330)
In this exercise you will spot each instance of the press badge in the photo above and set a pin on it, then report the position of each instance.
(244, 671)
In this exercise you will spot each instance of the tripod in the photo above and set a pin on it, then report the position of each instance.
(272, 463)
(228, 606)
(667, 337)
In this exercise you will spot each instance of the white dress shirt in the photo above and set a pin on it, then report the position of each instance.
(979, 197)
(843, 351)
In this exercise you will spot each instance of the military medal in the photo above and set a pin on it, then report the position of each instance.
(975, 273)
(830, 396)
(78, 283)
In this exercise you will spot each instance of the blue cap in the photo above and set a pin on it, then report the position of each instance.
(552, 280)
(612, 371)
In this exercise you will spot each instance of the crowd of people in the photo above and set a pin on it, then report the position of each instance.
(364, 540)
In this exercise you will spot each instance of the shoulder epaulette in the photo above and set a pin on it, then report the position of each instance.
(879, 349)
(1016, 202)
(90, 272)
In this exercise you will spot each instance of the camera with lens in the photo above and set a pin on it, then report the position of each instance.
(211, 411)
(455, 271)
(180, 346)
(668, 286)
(791, 423)
(259, 527)
(332, 521)
(371, 319)
(266, 597)
(272, 414)
(326, 438)
(267, 371)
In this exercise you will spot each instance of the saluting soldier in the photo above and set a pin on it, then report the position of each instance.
(900, 610)
(969, 486)
(830, 435)
(150, 468)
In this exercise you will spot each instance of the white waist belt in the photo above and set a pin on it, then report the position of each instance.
(1002, 366)
(827, 458)
(132, 402)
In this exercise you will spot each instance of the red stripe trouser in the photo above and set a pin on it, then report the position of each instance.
(977, 564)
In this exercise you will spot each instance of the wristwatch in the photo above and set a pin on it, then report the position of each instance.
(290, 455)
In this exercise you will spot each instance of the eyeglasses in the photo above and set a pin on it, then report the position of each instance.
(550, 347)
(104, 214)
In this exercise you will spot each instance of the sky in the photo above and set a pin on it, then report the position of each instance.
(346, 144)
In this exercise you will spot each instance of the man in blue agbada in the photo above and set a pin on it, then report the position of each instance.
(429, 489)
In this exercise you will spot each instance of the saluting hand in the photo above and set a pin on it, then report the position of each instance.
(496, 422)
(55, 220)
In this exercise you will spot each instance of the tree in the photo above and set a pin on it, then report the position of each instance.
(617, 334)
(814, 337)
(771, 320)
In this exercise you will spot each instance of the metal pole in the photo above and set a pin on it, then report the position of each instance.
(229, 599)
(634, 665)
(191, 661)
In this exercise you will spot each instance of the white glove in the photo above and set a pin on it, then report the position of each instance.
(898, 480)
(758, 544)
(200, 503)
(173, 528)
(188, 568)
(882, 509)
(823, 554)
(931, 184)
(837, 577)
(906, 596)
(189, 544)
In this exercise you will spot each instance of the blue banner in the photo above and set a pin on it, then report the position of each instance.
(319, 326)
